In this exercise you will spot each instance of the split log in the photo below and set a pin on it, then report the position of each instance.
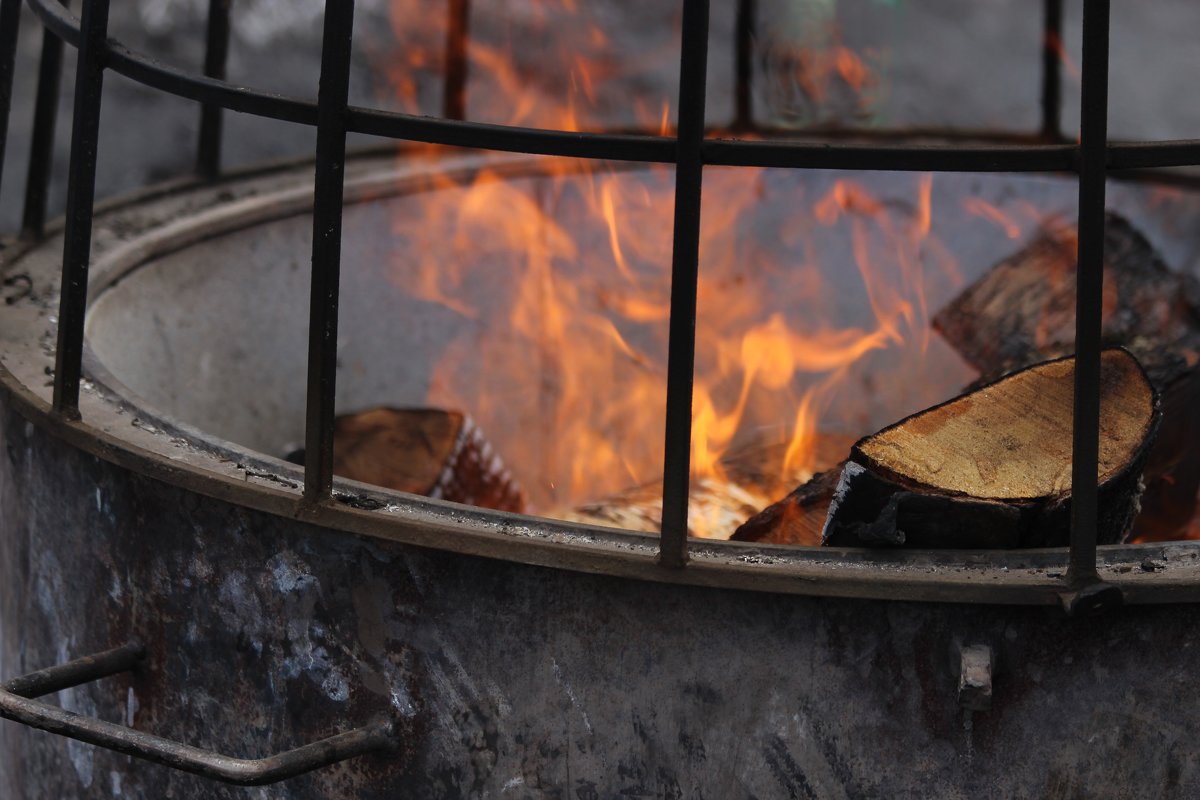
(1025, 306)
(799, 518)
(992, 468)
(716, 505)
(1023, 311)
(425, 451)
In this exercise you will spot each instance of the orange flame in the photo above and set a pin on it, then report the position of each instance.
(557, 282)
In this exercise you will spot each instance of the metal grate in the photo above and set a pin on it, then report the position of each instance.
(690, 151)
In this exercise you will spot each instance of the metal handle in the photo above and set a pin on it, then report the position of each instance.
(16, 703)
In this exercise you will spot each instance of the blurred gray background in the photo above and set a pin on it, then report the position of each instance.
(928, 63)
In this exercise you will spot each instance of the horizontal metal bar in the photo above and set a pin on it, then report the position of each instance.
(81, 670)
(485, 136)
(611, 146)
(145, 70)
(1145, 155)
(16, 705)
(916, 158)
(620, 147)
(58, 20)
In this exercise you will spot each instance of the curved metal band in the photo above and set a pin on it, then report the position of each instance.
(16, 703)
(620, 147)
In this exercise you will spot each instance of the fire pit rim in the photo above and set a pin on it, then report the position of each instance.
(176, 453)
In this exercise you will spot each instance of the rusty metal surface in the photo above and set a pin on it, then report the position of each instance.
(514, 680)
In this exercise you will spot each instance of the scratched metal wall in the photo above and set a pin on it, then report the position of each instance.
(515, 681)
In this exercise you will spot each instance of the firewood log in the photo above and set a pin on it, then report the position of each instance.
(425, 451)
(1022, 311)
(798, 518)
(716, 505)
(1024, 306)
(992, 468)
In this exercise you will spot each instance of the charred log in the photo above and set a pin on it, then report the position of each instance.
(992, 468)
(425, 451)
(1023, 311)
(1024, 307)
(717, 506)
(798, 518)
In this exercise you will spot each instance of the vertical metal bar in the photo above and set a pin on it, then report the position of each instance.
(41, 143)
(216, 54)
(743, 69)
(81, 192)
(332, 98)
(1089, 288)
(10, 21)
(454, 90)
(681, 352)
(1052, 70)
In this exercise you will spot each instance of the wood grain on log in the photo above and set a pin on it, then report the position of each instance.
(1022, 311)
(992, 468)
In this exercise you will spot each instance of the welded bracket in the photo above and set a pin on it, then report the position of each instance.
(975, 678)
(1092, 598)
(17, 704)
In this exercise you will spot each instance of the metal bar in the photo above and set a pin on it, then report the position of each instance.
(681, 349)
(1052, 69)
(15, 704)
(1149, 155)
(57, 19)
(81, 191)
(485, 136)
(326, 249)
(216, 54)
(392, 125)
(145, 70)
(908, 158)
(81, 670)
(454, 89)
(41, 142)
(1089, 293)
(618, 147)
(743, 65)
(10, 22)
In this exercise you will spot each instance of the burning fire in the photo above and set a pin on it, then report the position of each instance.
(812, 299)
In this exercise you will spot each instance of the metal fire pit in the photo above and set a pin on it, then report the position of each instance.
(206, 598)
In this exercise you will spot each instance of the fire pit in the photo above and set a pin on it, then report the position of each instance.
(153, 368)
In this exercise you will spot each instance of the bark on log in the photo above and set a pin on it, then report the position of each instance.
(1023, 311)
(1024, 307)
(992, 468)
(425, 451)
